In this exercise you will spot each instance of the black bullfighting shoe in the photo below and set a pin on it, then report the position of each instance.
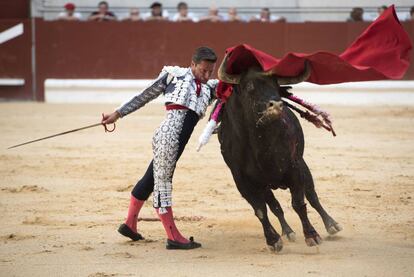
(127, 232)
(171, 244)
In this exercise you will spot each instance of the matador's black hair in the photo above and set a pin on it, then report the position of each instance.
(204, 53)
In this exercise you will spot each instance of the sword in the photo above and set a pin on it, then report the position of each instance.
(64, 133)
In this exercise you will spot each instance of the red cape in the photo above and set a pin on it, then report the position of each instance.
(382, 51)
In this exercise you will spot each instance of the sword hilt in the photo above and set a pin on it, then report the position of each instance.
(106, 128)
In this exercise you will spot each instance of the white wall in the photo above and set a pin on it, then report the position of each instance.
(118, 91)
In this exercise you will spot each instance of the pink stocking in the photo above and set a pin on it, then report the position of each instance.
(167, 220)
(135, 206)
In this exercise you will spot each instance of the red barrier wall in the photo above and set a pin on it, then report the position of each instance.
(135, 50)
(16, 61)
(14, 9)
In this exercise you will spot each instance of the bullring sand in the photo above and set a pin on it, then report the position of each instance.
(63, 199)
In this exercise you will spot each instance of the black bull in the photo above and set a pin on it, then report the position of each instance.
(262, 143)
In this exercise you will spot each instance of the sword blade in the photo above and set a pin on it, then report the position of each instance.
(56, 135)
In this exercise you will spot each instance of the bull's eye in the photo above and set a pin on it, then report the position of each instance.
(250, 86)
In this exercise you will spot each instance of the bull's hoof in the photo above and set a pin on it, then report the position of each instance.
(291, 236)
(313, 241)
(276, 247)
(334, 228)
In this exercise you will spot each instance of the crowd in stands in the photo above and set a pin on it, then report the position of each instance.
(158, 13)
(357, 14)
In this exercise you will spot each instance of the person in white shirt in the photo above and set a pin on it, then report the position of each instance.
(266, 16)
(69, 14)
(183, 14)
(134, 15)
(213, 15)
(233, 16)
(410, 15)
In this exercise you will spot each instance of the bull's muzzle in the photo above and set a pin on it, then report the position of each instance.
(274, 105)
(271, 113)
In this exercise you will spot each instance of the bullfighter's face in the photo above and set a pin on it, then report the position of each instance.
(203, 70)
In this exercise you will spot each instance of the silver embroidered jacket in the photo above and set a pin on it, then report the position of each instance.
(179, 87)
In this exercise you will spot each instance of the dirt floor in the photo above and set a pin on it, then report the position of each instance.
(61, 200)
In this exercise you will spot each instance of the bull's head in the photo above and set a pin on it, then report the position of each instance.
(261, 90)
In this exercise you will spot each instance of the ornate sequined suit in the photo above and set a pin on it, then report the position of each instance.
(179, 88)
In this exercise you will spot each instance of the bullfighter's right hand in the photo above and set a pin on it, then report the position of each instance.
(110, 118)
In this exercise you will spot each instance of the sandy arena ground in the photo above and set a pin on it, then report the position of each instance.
(63, 199)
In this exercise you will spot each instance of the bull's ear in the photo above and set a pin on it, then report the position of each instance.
(296, 79)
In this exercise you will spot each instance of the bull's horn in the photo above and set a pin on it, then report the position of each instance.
(297, 79)
(228, 78)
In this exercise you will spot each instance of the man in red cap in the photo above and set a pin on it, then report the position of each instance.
(69, 14)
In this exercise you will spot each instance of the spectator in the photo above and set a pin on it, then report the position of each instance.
(266, 16)
(103, 13)
(183, 14)
(213, 15)
(356, 15)
(157, 13)
(69, 14)
(381, 9)
(232, 15)
(134, 15)
(411, 14)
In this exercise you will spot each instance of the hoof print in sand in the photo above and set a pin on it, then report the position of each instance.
(120, 255)
(25, 189)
